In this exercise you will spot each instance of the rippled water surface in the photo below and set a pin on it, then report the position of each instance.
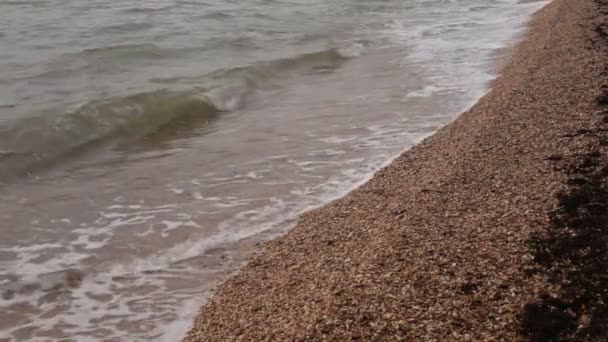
(146, 146)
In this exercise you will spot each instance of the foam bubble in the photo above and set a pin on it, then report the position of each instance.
(354, 50)
(427, 91)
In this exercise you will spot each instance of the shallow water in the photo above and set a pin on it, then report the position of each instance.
(145, 146)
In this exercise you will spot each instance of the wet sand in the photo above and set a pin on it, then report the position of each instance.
(491, 229)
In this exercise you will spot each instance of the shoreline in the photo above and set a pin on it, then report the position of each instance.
(443, 242)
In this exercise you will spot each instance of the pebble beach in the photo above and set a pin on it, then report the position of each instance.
(489, 230)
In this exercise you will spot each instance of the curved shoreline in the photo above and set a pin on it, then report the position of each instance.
(438, 244)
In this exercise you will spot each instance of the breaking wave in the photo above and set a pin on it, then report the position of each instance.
(38, 141)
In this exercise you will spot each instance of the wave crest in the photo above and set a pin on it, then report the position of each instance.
(38, 141)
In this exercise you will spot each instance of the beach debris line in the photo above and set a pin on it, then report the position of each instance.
(573, 250)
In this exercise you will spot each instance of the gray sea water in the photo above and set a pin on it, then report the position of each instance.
(146, 146)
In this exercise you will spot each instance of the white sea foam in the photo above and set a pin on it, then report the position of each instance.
(354, 50)
(427, 91)
(338, 140)
(437, 45)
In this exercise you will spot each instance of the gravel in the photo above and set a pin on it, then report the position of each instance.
(443, 243)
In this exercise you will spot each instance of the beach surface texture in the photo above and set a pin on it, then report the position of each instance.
(494, 228)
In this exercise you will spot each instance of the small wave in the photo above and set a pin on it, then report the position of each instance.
(315, 61)
(148, 9)
(125, 27)
(90, 60)
(216, 15)
(191, 3)
(331, 58)
(190, 79)
(19, 3)
(39, 141)
(124, 51)
(35, 141)
(257, 75)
